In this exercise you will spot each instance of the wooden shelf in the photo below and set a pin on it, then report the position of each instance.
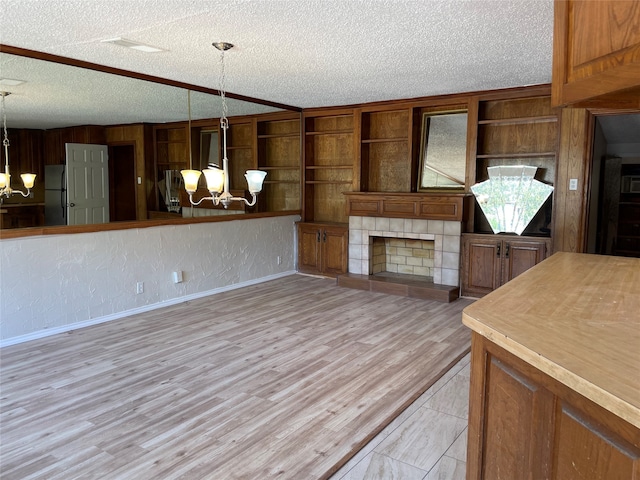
(518, 155)
(277, 135)
(520, 120)
(385, 140)
(331, 132)
(329, 167)
(328, 182)
(291, 167)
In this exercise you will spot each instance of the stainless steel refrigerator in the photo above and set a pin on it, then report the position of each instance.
(55, 195)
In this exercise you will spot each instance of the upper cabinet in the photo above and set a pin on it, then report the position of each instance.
(596, 53)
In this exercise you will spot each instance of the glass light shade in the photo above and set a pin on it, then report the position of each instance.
(4, 180)
(191, 178)
(255, 179)
(215, 179)
(511, 197)
(28, 179)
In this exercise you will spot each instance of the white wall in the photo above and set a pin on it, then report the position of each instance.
(52, 284)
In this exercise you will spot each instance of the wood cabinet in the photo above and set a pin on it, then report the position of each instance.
(56, 138)
(279, 155)
(323, 248)
(489, 261)
(524, 424)
(596, 53)
(26, 153)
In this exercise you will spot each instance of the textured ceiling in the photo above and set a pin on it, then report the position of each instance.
(304, 53)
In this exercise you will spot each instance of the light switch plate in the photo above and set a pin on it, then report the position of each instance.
(573, 184)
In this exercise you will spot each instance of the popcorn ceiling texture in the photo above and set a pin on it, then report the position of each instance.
(58, 282)
(305, 53)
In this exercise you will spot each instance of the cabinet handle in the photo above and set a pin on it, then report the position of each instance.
(324, 236)
(506, 253)
(318, 236)
(498, 251)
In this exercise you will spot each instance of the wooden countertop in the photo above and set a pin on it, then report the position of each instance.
(576, 317)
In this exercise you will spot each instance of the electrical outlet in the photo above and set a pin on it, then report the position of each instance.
(279, 260)
(139, 287)
(177, 276)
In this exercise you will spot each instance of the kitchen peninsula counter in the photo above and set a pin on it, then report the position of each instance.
(556, 372)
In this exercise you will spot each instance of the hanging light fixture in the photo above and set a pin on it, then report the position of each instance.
(218, 179)
(5, 178)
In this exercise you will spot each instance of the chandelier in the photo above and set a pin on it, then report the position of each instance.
(5, 178)
(218, 179)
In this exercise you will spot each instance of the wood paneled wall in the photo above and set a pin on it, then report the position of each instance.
(139, 136)
(570, 206)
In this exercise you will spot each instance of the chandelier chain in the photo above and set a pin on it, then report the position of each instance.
(5, 140)
(223, 79)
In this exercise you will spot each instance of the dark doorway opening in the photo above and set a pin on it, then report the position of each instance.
(614, 200)
(122, 183)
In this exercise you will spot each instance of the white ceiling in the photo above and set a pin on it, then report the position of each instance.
(304, 53)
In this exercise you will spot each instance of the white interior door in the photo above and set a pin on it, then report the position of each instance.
(87, 183)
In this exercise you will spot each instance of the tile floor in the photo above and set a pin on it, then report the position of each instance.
(428, 441)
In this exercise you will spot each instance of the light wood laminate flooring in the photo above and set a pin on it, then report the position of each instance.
(428, 441)
(287, 379)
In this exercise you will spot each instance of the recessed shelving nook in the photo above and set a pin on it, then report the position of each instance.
(387, 145)
(520, 131)
(329, 167)
(279, 155)
(241, 150)
(363, 161)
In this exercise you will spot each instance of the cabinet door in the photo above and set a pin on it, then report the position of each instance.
(481, 265)
(520, 256)
(577, 437)
(518, 416)
(335, 244)
(596, 49)
(309, 248)
(525, 425)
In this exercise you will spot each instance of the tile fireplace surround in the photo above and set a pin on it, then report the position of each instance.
(445, 235)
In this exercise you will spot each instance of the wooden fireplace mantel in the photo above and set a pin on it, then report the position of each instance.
(428, 206)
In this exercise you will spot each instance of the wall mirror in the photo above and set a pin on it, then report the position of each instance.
(60, 93)
(209, 148)
(443, 150)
